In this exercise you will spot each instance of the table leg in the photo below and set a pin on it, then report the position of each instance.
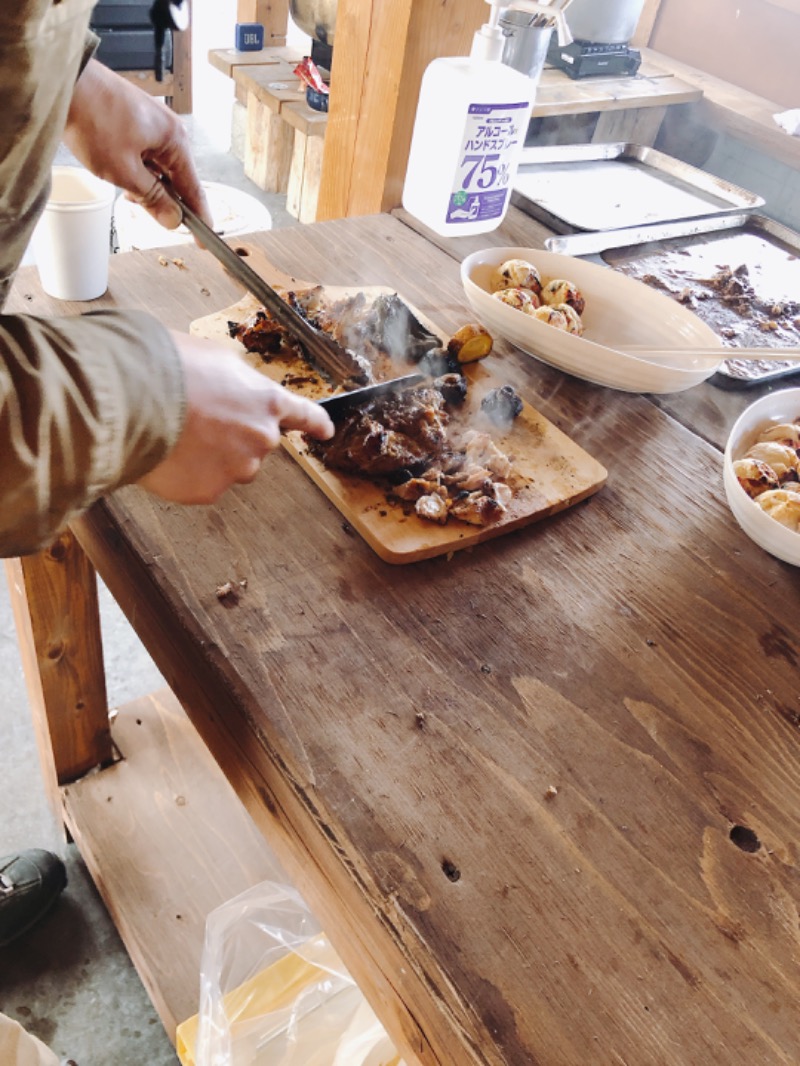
(54, 599)
(638, 125)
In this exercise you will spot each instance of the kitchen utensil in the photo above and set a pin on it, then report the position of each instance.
(631, 185)
(317, 18)
(619, 311)
(679, 355)
(604, 21)
(343, 402)
(680, 255)
(322, 349)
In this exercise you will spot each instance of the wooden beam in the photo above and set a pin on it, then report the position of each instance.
(272, 14)
(380, 55)
(180, 99)
(647, 21)
(54, 599)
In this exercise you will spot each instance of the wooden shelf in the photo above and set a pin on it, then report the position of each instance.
(166, 840)
(285, 138)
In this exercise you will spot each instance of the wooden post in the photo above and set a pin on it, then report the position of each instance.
(379, 57)
(181, 99)
(647, 21)
(272, 14)
(54, 599)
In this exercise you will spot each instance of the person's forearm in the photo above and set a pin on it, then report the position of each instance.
(86, 404)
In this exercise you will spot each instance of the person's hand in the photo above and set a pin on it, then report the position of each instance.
(118, 131)
(233, 420)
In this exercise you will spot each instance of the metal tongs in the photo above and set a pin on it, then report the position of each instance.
(321, 349)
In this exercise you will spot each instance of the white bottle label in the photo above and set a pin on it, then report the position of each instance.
(493, 136)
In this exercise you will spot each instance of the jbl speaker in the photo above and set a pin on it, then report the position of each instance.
(249, 37)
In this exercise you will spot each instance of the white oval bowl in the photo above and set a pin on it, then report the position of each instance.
(782, 406)
(619, 311)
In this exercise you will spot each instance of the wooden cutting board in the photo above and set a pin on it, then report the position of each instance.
(551, 471)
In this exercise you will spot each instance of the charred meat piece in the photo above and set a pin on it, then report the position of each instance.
(480, 508)
(502, 405)
(398, 331)
(389, 434)
(379, 327)
(434, 508)
(402, 442)
(261, 333)
(373, 335)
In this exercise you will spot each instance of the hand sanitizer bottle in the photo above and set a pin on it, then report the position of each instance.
(469, 131)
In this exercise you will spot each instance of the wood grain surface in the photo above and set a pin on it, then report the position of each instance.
(544, 795)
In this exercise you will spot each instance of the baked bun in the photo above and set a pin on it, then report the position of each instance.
(559, 291)
(522, 299)
(574, 321)
(551, 316)
(517, 274)
(782, 505)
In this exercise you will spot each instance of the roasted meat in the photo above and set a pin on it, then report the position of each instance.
(405, 443)
(388, 435)
(261, 333)
(502, 405)
(374, 334)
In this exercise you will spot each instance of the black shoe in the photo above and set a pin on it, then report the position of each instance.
(30, 883)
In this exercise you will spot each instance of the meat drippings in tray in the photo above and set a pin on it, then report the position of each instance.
(740, 285)
(427, 457)
(379, 334)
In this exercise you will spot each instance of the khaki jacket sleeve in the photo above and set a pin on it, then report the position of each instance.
(86, 404)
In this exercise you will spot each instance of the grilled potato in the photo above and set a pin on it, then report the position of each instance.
(469, 343)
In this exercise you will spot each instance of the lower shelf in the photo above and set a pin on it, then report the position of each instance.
(166, 840)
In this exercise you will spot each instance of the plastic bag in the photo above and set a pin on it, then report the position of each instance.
(789, 121)
(273, 992)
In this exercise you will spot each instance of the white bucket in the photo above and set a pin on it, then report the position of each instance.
(72, 240)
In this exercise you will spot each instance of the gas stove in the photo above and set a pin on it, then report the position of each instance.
(585, 59)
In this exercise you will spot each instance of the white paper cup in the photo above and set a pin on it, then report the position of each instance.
(72, 240)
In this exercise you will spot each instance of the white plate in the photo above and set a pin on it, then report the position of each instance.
(233, 212)
(619, 311)
(776, 407)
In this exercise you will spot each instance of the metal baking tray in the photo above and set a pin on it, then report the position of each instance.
(597, 187)
(679, 256)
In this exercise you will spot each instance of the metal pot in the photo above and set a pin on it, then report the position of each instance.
(604, 21)
(317, 18)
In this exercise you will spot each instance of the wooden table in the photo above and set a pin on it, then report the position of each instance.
(544, 795)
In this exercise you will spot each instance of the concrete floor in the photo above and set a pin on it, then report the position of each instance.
(70, 981)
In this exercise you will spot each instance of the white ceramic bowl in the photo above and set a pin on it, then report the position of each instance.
(782, 406)
(619, 311)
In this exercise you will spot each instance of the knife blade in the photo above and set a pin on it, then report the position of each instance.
(343, 402)
(340, 364)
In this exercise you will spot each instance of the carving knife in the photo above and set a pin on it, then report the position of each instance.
(343, 402)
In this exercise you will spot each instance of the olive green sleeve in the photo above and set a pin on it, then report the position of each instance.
(86, 404)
